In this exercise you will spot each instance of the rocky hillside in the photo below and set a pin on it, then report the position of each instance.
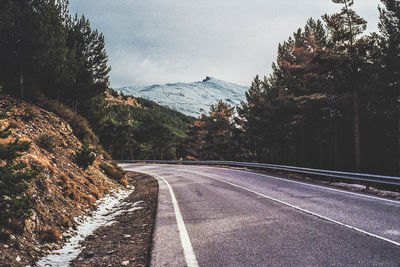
(63, 189)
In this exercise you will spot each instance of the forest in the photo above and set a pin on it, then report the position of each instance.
(331, 101)
(58, 61)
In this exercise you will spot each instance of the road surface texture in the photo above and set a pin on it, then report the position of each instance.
(209, 216)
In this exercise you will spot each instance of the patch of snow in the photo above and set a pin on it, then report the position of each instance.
(393, 232)
(350, 186)
(108, 208)
(191, 99)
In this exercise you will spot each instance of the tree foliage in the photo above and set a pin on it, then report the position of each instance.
(212, 136)
(331, 101)
(145, 131)
(44, 50)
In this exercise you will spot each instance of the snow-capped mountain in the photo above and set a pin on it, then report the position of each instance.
(191, 99)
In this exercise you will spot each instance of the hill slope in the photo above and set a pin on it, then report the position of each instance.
(191, 99)
(62, 191)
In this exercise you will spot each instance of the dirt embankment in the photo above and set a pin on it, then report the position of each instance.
(62, 191)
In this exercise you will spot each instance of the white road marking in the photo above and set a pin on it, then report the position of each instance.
(308, 212)
(188, 251)
(312, 185)
(295, 207)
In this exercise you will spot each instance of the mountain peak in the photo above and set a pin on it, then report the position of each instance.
(208, 78)
(192, 99)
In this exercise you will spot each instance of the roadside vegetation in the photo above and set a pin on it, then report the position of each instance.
(14, 178)
(332, 100)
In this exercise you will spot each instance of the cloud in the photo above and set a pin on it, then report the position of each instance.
(161, 41)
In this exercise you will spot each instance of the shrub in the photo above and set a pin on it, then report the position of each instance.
(85, 157)
(29, 114)
(124, 182)
(79, 124)
(16, 226)
(89, 199)
(66, 222)
(113, 93)
(112, 172)
(49, 234)
(47, 142)
(4, 236)
(14, 204)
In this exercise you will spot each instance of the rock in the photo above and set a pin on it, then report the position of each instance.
(50, 246)
(66, 235)
(29, 225)
(124, 263)
(89, 254)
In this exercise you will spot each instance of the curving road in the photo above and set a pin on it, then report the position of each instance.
(209, 216)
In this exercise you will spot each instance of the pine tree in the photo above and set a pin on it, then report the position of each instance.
(14, 204)
(92, 72)
(18, 44)
(389, 27)
(344, 29)
(212, 136)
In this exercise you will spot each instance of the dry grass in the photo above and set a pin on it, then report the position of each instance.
(124, 182)
(89, 199)
(66, 222)
(49, 234)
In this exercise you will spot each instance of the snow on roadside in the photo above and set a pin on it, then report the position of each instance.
(107, 209)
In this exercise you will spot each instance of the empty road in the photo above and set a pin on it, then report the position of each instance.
(209, 216)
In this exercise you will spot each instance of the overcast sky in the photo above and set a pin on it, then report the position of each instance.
(164, 41)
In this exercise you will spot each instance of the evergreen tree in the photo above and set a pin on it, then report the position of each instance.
(90, 59)
(344, 29)
(14, 204)
(212, 137)
(44, 50)
(18, 44)
(389, 27)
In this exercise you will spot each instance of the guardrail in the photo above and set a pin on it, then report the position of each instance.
(362, 178)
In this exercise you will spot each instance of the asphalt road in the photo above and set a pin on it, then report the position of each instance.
(210, 216)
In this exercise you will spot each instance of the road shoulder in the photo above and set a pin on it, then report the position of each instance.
(128, 241)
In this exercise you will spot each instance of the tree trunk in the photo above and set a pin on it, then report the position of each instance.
(398, 134)
(335, 145)
(304, 149)
(320, 147)
(21, 84)
(357, 139)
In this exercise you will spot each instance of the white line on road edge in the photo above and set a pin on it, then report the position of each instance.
(309, 212)
(188, 251)
(312, 185)
(298, 208)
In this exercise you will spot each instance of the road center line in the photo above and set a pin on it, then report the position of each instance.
(300, 209)
(188, 251)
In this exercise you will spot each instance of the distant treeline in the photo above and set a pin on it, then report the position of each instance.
(332, 100)
(144, 131)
